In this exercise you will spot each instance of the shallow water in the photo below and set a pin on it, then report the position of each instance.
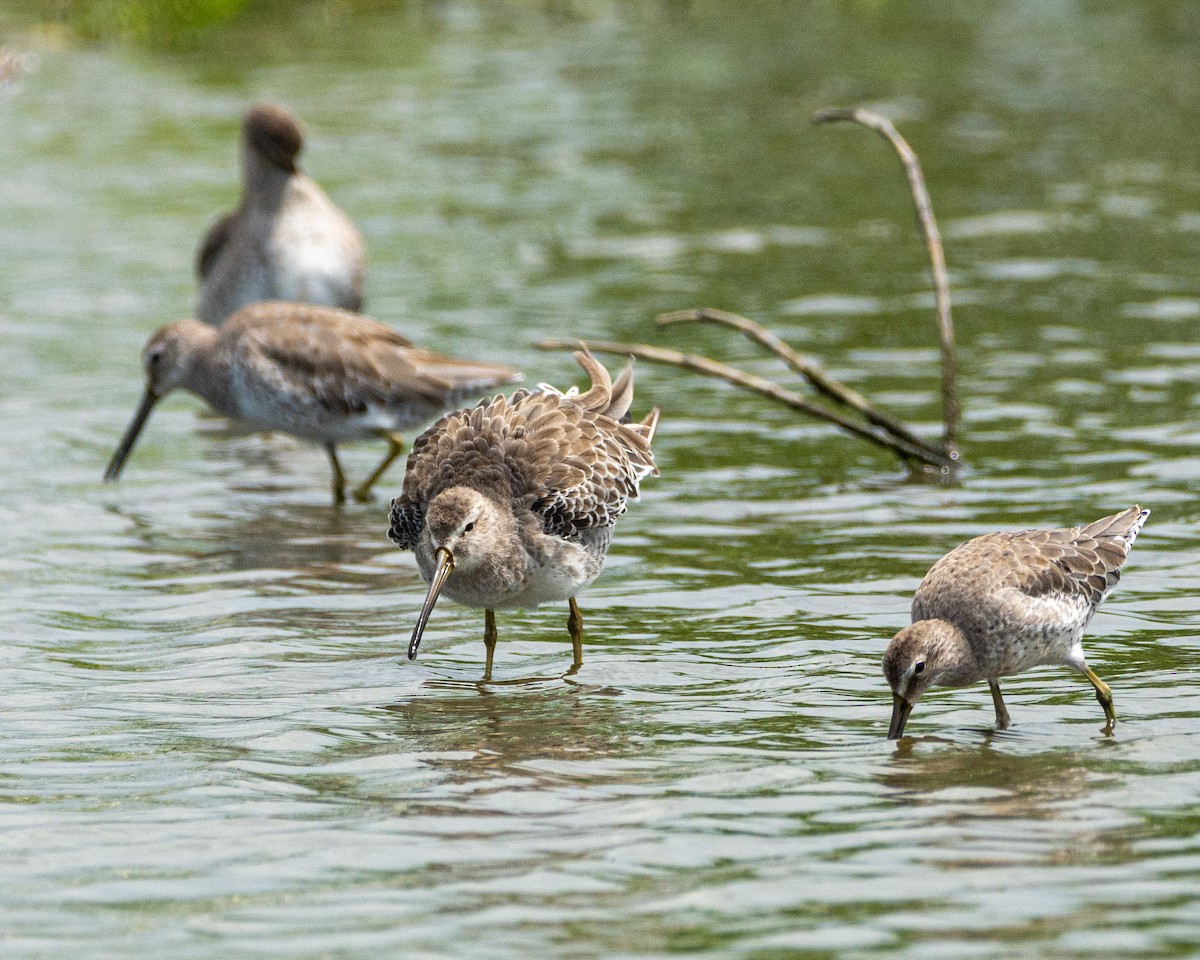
(210, 743)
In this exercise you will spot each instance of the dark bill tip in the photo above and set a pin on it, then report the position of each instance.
(445, 563)
(901, 709)
(113, 470)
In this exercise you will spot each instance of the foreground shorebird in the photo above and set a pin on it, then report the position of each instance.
(512, 503)
(324, 375)
(287, 240)
(1005, 602)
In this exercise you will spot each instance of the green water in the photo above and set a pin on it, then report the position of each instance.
(210, 743)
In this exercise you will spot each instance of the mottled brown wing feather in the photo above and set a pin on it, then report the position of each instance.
(1124, 526)
(406, 520)
(460, 374)
(213, 243)
(1088, 558)
(1081, 562)
(350, 362)
(569, 463)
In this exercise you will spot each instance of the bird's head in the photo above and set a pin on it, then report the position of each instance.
(272, 133)
(168, 354)
(168, 360)
(467, 531)
(919, 656)
(465, 523)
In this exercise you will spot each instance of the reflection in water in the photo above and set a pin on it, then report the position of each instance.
(1015, 784)
(512, 742)
(972, 788)
(302, 540)
(509, 729)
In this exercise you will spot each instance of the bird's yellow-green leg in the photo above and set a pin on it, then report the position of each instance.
(362, 493)
(1104, 695)
(1002, 718)
(575, 628)
(489, 641)
(339, 478)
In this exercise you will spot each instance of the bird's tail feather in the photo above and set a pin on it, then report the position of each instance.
(622, 393)
(1124, 526)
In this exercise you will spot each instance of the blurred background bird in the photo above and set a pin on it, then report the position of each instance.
(326, 376)
(286, 240)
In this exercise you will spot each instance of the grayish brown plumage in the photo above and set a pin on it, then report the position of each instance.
(1006, 602)
(512, 503)
(286, 240)
(327, 376)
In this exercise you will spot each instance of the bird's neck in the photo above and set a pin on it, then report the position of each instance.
(962, 665)
(506, 564)
(264, 185)
(208, 375)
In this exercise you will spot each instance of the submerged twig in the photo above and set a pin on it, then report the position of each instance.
(903, 448)
(820, 381)
(933, 243)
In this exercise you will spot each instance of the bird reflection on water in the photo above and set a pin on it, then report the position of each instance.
(483, 729)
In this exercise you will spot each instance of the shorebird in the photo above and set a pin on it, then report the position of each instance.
(512, 503)
(320, 374)
(287, 240)
(1006, 602)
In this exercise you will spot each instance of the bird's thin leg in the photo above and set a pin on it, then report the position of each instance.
(489, 640)
(1002, 718)
(362, 493)
(575, 628)
(339, 478)
(1104, 695)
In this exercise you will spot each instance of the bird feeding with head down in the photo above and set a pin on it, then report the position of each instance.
(1004, 603)
(512, 503)
(323, 375)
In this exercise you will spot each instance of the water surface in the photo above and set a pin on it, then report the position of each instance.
(210, 743)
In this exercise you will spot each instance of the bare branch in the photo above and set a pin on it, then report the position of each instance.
(902, 448)
(810, 371)
(933, 243)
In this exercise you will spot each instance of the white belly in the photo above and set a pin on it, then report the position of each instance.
(571, 569)
(313, 254)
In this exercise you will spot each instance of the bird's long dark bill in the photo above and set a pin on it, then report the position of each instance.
(131, 434)
(445, 563)
(901, 708)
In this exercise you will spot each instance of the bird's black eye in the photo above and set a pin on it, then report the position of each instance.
(469, 527)
(919, 667)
